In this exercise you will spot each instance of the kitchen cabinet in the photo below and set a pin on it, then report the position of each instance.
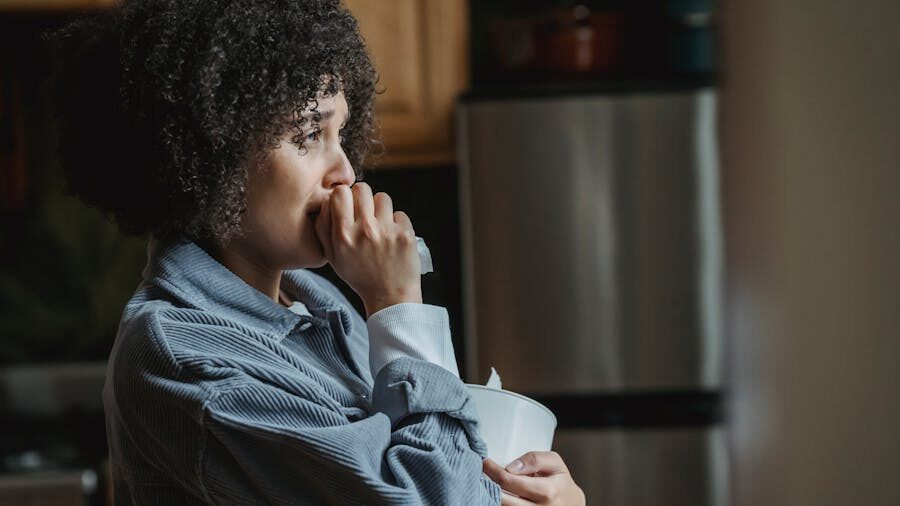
(420, 49)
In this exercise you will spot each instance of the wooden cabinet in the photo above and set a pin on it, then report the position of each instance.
(421, 50)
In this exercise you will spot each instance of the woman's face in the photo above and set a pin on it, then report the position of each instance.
(285, 195)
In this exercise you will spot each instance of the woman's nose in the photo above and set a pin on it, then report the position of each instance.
(341, 172)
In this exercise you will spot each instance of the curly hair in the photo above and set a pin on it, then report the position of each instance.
(166, 106)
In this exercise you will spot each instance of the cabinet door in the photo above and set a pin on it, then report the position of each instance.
(420, 50)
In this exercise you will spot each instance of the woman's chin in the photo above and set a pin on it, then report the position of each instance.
(319, 263)
(315, 255)
(311, 252)
(303, 255)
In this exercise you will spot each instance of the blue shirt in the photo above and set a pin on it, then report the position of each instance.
(215, 394)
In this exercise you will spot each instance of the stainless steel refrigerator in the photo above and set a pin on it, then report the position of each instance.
(592, 279)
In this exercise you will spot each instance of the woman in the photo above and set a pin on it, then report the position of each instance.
(229, 131)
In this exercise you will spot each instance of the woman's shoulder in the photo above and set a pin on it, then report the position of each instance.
(158, 332)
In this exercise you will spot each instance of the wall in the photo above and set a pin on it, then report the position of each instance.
(812, 169)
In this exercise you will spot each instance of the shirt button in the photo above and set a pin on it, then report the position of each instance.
(363, 395)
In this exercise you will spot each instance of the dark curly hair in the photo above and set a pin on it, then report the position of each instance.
(166, 106)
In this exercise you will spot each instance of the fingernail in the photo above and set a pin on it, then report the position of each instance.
(515, 466)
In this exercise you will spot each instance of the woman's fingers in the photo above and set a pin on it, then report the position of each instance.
(507, 499)
(541, 463)
(554, 488)
(363, 203)
(400, 218)
(384, 207)
(323, 229)
(493, 470)
(341, 208)
(373, 248)
(526, 487)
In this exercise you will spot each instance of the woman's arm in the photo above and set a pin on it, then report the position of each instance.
(419, 445)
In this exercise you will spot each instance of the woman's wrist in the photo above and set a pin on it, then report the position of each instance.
(377, 303)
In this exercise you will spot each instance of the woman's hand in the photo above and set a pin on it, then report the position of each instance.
(536, 478)
(370, 246)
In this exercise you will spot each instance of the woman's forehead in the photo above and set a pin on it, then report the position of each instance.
(327, 106)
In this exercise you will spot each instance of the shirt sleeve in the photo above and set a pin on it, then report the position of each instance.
(417, 445)
(419, 331)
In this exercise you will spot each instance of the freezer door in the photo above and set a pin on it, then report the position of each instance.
(591, 241)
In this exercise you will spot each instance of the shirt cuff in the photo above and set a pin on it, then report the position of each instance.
(407, 387)
(419, 331)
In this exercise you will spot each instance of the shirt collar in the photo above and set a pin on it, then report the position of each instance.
(185, 270)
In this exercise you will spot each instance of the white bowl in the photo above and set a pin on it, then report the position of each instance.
(512, 424)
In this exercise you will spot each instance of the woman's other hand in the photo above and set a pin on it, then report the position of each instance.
(370, 246)
(536, 478)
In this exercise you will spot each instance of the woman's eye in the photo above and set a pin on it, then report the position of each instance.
(314, 136)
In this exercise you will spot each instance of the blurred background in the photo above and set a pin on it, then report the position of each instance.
(674, 222)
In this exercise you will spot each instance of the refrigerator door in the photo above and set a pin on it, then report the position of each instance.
(648, 467)
(591, 241)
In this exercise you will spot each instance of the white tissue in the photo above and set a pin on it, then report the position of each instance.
(494, 380)
(424, 256)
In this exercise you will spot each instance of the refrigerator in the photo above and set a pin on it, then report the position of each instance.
(592, 278)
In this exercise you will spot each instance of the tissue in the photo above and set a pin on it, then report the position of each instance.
(424, 255)
(494, 380)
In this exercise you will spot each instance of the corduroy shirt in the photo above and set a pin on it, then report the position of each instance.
(215, 394)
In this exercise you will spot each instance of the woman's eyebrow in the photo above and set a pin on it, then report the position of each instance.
(319, 116)
(323, 116)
